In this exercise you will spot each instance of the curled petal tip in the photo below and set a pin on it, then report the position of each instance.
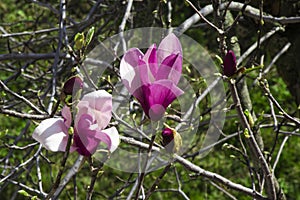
(114, 137)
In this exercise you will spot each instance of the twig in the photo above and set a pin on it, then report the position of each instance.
(29, 56)
(218, 178)
(29, 32)
(185, 197)
(254, 13)
(273, 115)
(223, 190)
(94, 175)
(131, 193)
(194, 168)
(253, 144)
(235, 6)
(133, 142)
(199, 99)
(212, 145)
(20, 148)
(61, 169)
(169, 15)
(118, 119)
(179, 185)
(75, 168)
(270, 96)
(58, 49)
(279, 153)
(40, 193)
(39, 175)
(88, 77)
(92, 10)
(254, 46)
(123, 24)
(143, 173)
(20, 166)
(237, 17)
(31, 105)
(204, 19)
(157, 181)
(23, 115)
(276, 57)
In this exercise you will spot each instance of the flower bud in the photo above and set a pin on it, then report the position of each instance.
(229, 63)
(74, 83)
(171, 140)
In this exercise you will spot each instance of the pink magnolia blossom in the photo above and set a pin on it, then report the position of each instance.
(152, 77)
(94, 114)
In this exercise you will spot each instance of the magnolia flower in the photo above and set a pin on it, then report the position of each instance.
(94, 114)
(229, 63)
(152, 77)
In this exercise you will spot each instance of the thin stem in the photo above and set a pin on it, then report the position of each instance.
(72, 172)
(62, 168)
(204, 19)
(157, 181)
(31, 105)
(275, 102)
(94, 175)
(143, 173)
(207, 174)
(253, 144)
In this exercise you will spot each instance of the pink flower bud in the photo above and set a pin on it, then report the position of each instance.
(229, 63)
(73, 84)
(171, 140)
(168, 139)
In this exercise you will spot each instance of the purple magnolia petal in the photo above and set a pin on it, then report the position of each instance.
(85, 136)
(157, 97)
(143, 76)
(150, 55)
(169, 45)
(168, 92)
(103, 137)
(97, 104)
(66, 113)
(151, 58)
(144, 73)
(79, 146)
(229, 63)
(52, 134)
(170, 68)
(129, 63)
(113, 134)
